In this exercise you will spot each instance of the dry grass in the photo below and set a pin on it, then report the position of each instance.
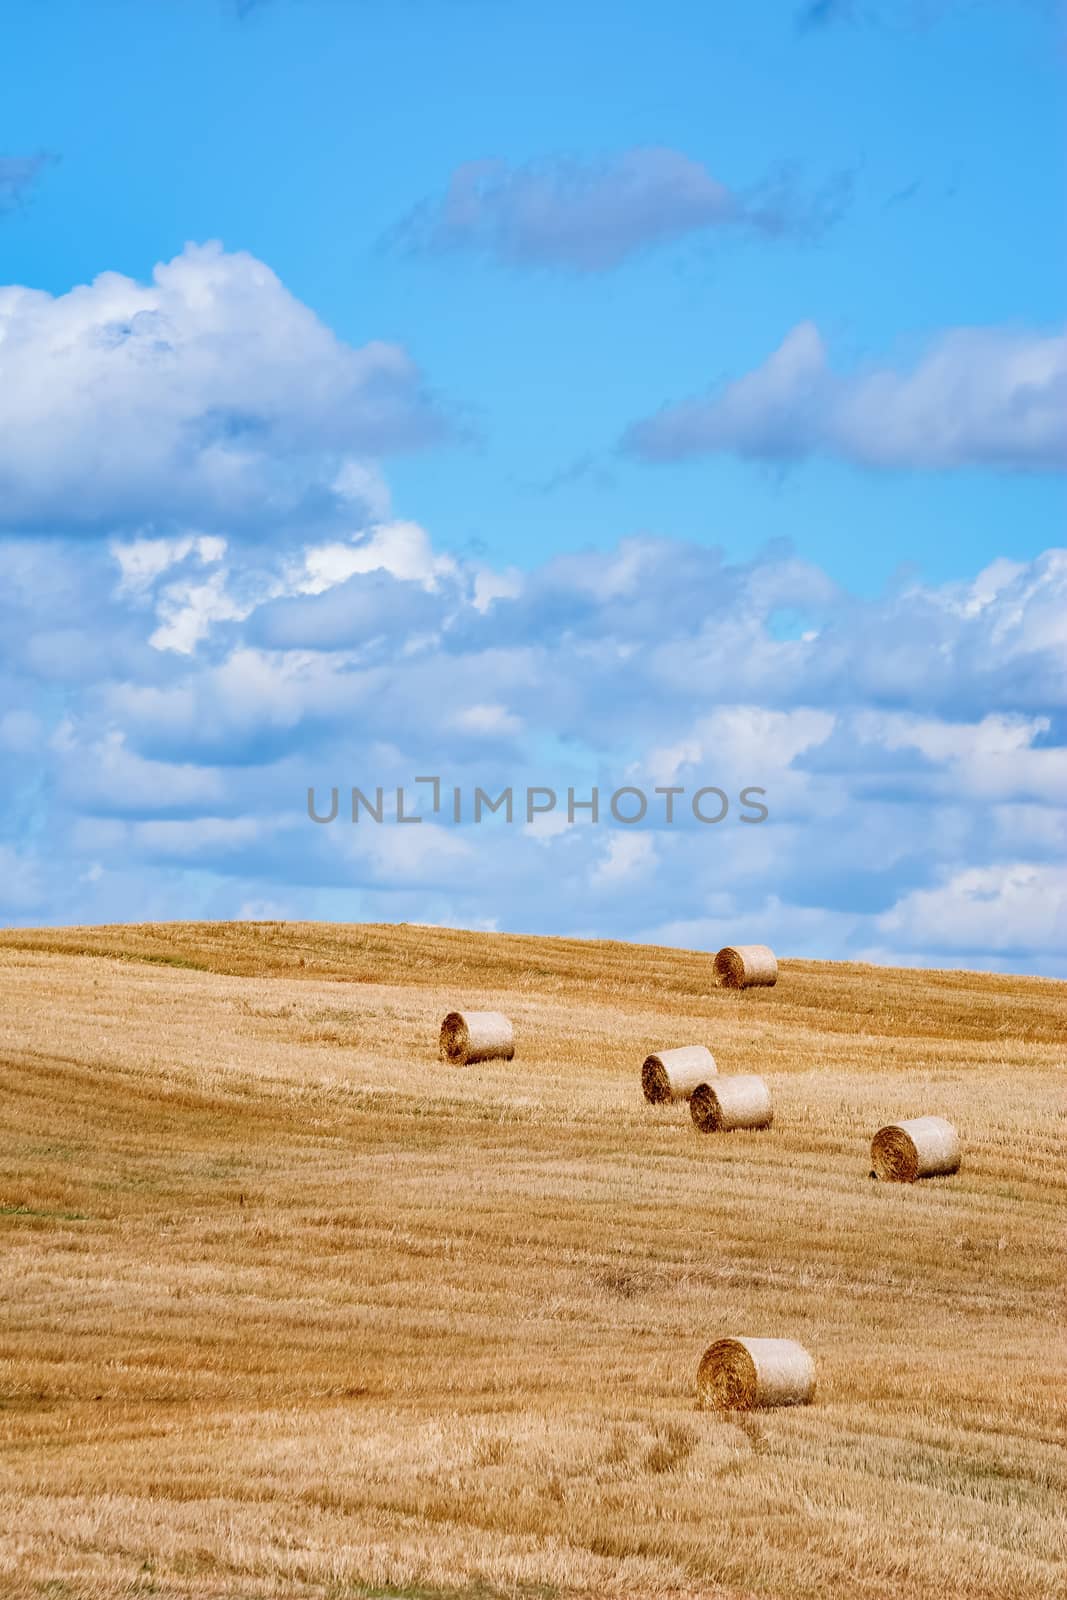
(290, 1309)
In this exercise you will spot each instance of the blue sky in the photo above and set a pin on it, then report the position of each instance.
(758, 302)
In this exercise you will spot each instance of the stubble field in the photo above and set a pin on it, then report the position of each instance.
(291, 1308)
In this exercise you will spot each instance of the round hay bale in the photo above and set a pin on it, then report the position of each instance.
(741, 1374)
(925, 1147)
(746, 966)
(468, 1036)
(737, 1102)
(674, 1074)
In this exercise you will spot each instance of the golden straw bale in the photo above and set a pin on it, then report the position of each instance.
(746, 966)
(924, 1147)
(674, 1074)
(741, 1374)
(743, 1101)
(468, 1036)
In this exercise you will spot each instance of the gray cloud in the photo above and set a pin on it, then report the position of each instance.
(368, 609)
(821, 13)
(817, 15)
(19, 175)
(590, 216)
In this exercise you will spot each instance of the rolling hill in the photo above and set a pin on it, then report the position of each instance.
(289, 1307)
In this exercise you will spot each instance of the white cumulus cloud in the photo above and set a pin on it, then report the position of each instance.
(975, 397)
(209, 397)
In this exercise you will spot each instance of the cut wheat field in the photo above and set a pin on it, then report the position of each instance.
(290, 1307)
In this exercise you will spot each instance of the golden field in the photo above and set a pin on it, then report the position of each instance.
(291, 1308)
